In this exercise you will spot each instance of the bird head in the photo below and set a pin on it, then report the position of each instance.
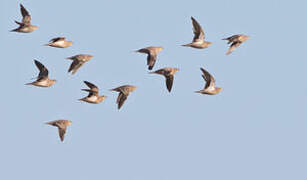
(159, 49)
(52, 81)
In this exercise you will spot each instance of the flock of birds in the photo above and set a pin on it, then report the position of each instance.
(42, 80)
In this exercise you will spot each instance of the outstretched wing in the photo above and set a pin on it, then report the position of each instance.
(57, 39)
(93, 89)
(151, 60)
(121, 99)
(26, 18)
(75, 65)
(43, 71)
(169, 82)
(210, 81)
(62, 131)
(233, 46)
(199, 34)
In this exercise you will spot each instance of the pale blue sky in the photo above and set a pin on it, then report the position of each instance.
(254, 129)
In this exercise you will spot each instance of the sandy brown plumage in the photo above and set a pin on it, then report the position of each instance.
(199, 37)
(210, 87)
(78, 61)
(61, 125)
(168, 73)
(93, 96)
(59, 42)
(124, 92)
(42, 79)
(152, 53)
(235, 41)
(25, 25)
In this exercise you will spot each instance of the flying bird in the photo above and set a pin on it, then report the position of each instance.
(25, 25)
(42, 80)
(62, 126)
(210, 87)
(168, 73)
(152, 53)
(59, 42)
(78, 61)
(199, 37)
(235, 41)
(124, 92)
(93, 96)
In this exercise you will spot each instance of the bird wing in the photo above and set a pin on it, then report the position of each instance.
(92, 86)
(75, 65)
(62, 131)
(144, 50)
(43, 71)
(232, 38)
(90, 92)
(121, 99)
(151, 60)
(160, 71)
(233, 46)
(26, 18)
(169, 82)
(57, 39)
(199, 34)
(210, 81)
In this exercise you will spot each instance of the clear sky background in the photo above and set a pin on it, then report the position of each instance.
(254, 129)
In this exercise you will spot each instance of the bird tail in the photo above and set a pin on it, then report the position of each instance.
(187, 45)
(69, 58)
(81, 99)
(14, 30)
(31, 83)
(197, 91)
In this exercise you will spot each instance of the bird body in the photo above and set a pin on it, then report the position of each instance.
(42, 79)
(235, 41)
(210, 87)
(152, 53)
(199, 37)
(168, 73)
(25, 26)
(78, 61)
(93, 96)
(124, 92)
(61, 125)
(59, 42)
